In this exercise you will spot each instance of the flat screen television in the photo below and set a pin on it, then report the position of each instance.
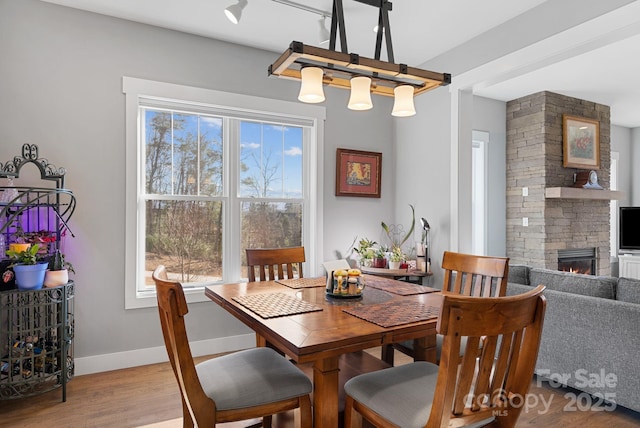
(629, 223)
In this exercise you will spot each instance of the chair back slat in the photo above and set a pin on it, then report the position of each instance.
(506, 331)
(465, 381)
(471, 275)
(274, 263)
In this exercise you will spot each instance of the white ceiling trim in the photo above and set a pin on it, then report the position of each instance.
(605, 30)
(581, 44)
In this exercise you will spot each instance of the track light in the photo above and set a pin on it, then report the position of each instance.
(324, 33)
(234, 12)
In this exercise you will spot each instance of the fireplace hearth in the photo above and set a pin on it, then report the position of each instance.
(580, 260)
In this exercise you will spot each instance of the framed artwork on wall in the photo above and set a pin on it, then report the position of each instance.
(358, 173)
(580, 142)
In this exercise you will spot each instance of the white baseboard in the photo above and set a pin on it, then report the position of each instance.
(141, 357)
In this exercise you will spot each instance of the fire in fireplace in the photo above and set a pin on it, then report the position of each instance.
(580, 260)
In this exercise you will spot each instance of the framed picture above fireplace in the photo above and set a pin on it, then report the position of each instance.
(580, 142)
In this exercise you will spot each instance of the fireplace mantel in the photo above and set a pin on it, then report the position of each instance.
(579, 193)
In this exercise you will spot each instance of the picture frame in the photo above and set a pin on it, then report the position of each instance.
(580, 142)
(358, 173)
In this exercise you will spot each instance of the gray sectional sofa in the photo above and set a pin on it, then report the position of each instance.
(591, 335)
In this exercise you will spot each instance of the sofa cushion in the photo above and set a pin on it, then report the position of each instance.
(628, 290)
(586, 285)
(519, 274)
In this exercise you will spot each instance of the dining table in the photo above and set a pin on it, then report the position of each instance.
(309, 324)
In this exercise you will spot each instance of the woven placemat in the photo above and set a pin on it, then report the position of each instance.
(394, 313)
(303, 282)
(271, 305)
(397, 287)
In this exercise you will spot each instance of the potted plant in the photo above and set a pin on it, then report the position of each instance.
(365, 251)
(394, 231)
(20, 242)
(396, 257)
(58, 272)
(379, 258)
(28, 268)
(43, 238)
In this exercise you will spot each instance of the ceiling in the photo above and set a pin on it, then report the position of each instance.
(596, 59)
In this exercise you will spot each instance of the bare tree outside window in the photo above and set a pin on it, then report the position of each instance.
(271, 186)
(185, 191)
(184, 158)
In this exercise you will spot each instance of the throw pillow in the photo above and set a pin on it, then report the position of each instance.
(628, 290)
(586, 285)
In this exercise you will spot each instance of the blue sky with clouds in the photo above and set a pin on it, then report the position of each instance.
(272, 147)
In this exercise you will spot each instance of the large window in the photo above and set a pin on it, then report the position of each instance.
(213, 180)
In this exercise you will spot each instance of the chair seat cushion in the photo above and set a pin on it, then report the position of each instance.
(251, 377)
(392, 393)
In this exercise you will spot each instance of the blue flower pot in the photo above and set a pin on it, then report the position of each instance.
(30, 277)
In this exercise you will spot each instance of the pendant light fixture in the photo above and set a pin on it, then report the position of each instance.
(345, 70)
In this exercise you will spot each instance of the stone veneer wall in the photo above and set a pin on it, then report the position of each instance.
(534, 160)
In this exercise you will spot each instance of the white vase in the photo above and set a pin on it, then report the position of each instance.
(394, 265)
(366, 262)
(56, 278)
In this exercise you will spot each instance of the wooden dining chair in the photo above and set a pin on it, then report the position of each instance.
(274, 263)
(248, 384)
(467, 275)
(488, 391)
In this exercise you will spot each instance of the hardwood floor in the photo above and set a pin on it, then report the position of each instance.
(148, 397)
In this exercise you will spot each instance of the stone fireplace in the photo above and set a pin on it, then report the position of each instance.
(536, 183)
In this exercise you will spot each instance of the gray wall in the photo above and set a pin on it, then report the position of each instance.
(61, 86)
(489, 115)
(423, 169)
(621, 142)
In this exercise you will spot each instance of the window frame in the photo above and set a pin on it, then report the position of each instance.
(479, 179)
(244, 107)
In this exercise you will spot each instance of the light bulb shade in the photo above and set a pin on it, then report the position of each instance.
(311, 85)
(403, 101)
(234, 12)
(360, 98)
